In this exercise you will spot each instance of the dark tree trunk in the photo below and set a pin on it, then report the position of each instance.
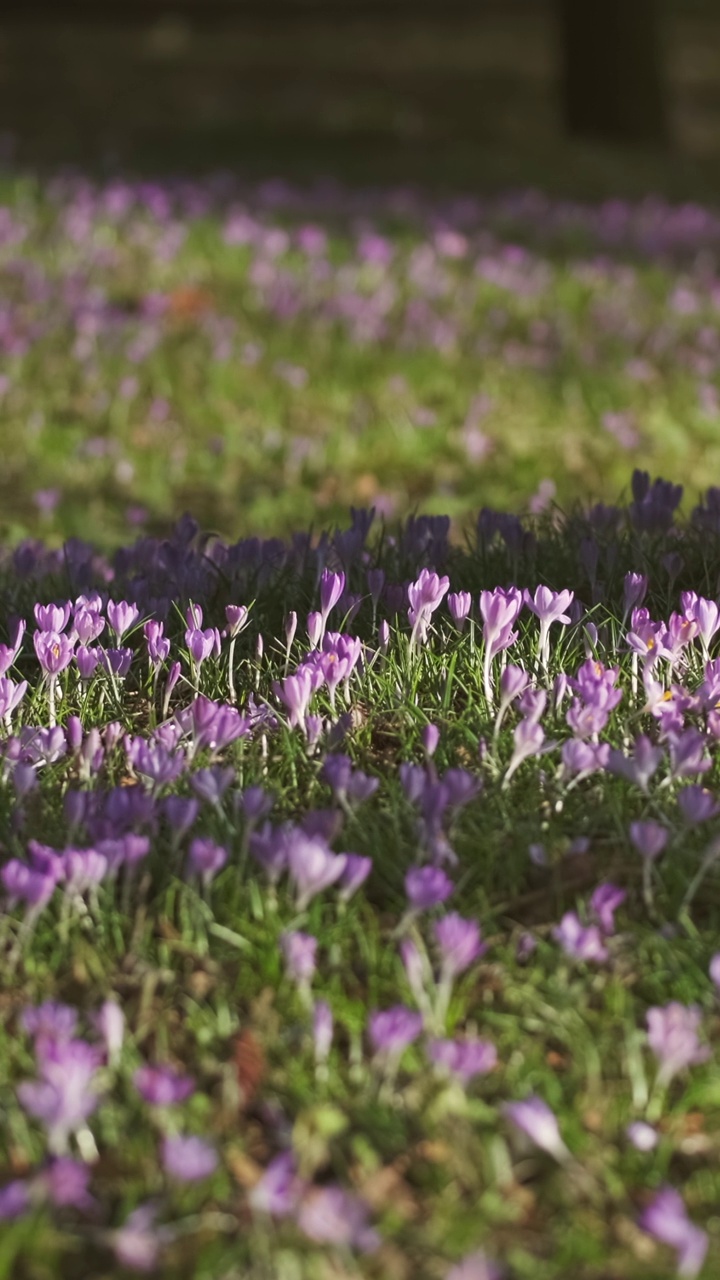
(612, 84)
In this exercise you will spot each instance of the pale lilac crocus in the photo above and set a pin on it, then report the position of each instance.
(549, 607)
(714, 969)
(513, 683)
(459, 942)
(673, 1038)
(427, 887)
(580, 942)
(666, 1220)
(463, 1059)
(322, 1026)
(476, 1266)
(697, 804)
(538, 1122)
(528, 741)
(649, 838)
(644, 1137)
(299, 953)
(392, 1030)
(66, 1093)
(206, 858)
(312, 866)
(109, 1021)
(499, 610)
(331, 1215)
(187, 1158)
(278, 1189)
(162, 1086)
(424, 596)
(138, 1242)
(459, 604)
(605, 900)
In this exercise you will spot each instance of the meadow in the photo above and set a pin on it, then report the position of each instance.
(359, 872)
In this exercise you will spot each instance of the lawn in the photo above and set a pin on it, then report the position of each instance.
(265, 355)
(359, 872)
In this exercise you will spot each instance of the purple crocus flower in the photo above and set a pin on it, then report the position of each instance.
(580, 942)
(548, 606)
(534, 1118)
(163, 1086)
(355, 873)
(331, 1215)
(673, 1038)
(604, 903)
(65, 1183)
(424, 596)
(138, 1242)
(714, 969)
(206, 858)
(640, 767)
(392, 1030)
(121, 616)
(279, 1188)
(54, 651)
(528, 740)
(460, 943)
(322, 1031)
(65, 1095)
(312, 865)
(666, 1220)
(109, 1021)
(49, 1020)
(188, 1159)
(476, 1266)
(52, 617)
(15, 1200)
(697, 804)
(427, 887)
(635, 587)
(332, 586)
(463, 1058)
(649, 838)
(299, 951)
(296, 692)
(459, 604)
(643, 1136)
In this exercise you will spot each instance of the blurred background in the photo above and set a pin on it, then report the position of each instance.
(437, 89)
(264, 260)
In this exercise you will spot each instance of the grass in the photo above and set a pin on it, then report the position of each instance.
(199, 972)
(182, 347)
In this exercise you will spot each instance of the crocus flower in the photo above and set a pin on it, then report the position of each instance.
(604, 903)
(535, 1119)
(697, 804)
(476, 1266)
(715, 969)
(110, 1022)
(299, 950)
(581, 942)
(188, 1158)
(459, 941)
(206, 858)
(649, 838)
(528, 740)
(548, 606)
(15, 1200)
(463, 1059)
(65, 1095)
(279, 1188)
(331, 1215)
(427, 887)
(666, 1220)
(137, 1244)
(322, 1030)
(424, 596)
(392, 1030)
(673, 1038)
(643, 1136)
(163, 1086)
(312, 866)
